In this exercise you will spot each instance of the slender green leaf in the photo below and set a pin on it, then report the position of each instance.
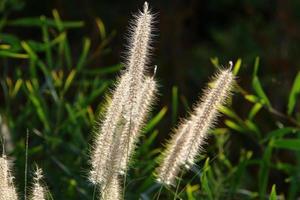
(290, 144)
(295, 91)
(230, 113)
(215, 62)
(231, 124)
(257, 85)
(58, 22)
(101, 28)
(237, 66)
(151, 124)
(254, 110)
(273, 195)
(46, 41)
(29, 22)
(13, 55)
(174, 103)
(251, 98)
(204, 181)
(256, 65)
(278, 133)
(84, 53)
(69, 80)
(189, 191)
(259, 91)
(29, 50)
(263, 175)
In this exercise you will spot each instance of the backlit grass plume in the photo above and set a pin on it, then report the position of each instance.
(112, 190)
(7, 188)
(126, 111)
(38, 191)
(106, 134)
(188, 139)
(130, 135)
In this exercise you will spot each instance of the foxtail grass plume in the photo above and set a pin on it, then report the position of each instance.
(7, 188)
(127, 109)
(190, 136)
(106, 134)
(112, 190)
(138, 54)
(38, 190)
(145, 100)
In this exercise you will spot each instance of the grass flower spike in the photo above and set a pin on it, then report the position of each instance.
(38, 191)
(104, 139)
(127, 109)
(188, 139)
(139, 46)
(145, 99)
(112, 190)
(7, 188)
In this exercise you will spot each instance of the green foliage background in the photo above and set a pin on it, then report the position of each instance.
(59, 58)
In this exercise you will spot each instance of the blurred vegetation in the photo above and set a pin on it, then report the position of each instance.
(59, 58)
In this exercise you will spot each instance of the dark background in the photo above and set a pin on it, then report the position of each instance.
(189, 33)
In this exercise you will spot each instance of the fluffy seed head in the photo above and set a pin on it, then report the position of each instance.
(112, 191)
(7, 189)
(107, 130)
(38, 191)
(118, 131)
(138, 53)
(130, 135)
(187, 141)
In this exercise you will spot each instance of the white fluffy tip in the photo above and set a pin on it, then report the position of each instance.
(154, 71)
(230, 65)
(145, 6)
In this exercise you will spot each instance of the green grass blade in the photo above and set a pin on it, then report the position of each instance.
(36, 22)
(174, 104)
(204, 181)
(84, 53)
(237, 66)
(13, 55)
(46, 39)
(157, 118)
(273, 195)
(259, 91)
(263, 174)
(254, 110)
(295, 91)
(290, 144)
(278, 133)
(257, 85)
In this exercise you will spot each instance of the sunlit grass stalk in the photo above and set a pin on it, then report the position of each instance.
(189, 138)
(7, 188)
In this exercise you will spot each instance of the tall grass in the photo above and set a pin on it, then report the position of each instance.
(56, 95)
